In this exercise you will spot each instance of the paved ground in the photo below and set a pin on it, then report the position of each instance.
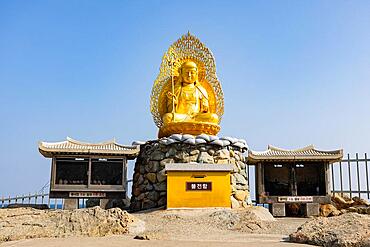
(250, 240)
(178, 238)
(196, 227)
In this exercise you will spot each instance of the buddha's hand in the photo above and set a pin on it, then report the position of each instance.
(172, 96)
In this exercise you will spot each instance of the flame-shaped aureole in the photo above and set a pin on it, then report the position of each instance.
(187, 48)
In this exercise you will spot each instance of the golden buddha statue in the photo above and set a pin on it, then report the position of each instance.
(187, 97)
(189, 102)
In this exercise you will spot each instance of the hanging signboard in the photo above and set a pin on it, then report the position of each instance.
(86, 194)
(295, 199)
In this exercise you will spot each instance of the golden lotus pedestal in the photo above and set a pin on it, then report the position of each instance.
(188, 128)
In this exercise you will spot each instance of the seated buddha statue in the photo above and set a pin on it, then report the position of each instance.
(189, 100)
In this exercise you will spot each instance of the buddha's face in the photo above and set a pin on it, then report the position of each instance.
(189, 72)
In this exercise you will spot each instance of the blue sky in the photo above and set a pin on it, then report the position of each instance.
(293, 73)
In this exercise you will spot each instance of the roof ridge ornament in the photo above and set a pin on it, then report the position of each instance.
(48, 149)
(111, 141)
(308, 153)
(309, 147)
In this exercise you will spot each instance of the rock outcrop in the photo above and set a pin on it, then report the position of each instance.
(349, 229)
(150, 181)
(25, 223)
(250, 220)
(210, 223)
(344, 204)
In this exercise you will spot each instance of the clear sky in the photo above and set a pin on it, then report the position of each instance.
(293, 73)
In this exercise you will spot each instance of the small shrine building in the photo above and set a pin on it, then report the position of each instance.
(300, 177)
(87, 170)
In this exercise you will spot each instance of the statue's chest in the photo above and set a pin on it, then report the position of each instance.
(189, 96)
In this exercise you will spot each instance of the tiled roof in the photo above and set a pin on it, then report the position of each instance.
(70, 146)
(307, 153)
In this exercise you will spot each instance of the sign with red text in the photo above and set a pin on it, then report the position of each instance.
(86, 194)
(295, 199)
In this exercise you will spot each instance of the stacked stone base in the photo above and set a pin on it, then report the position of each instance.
(150, 182)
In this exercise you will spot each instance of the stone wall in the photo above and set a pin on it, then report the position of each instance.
(150, 182)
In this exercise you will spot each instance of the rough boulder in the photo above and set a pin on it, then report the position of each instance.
(350, 229)
(24, 223)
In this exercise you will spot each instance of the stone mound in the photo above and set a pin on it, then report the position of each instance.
(350, 229)
(25, 223)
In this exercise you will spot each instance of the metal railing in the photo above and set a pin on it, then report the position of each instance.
(351, 176)
(40, 197)
(24, 199)
(37, 198)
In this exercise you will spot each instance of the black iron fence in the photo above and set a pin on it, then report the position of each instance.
(351, 176)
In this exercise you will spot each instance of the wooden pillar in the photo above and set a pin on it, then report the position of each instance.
(260, 186)
(124, 175)
(327, 179)
(89, 174)
(53, 172)
(293, 180)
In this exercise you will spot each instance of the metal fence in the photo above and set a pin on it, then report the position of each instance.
(42, 197)
(37, 198)
(351, 176)
(30, 199)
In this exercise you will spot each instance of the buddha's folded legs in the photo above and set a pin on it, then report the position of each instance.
(200, 117)
(175, 117)
(206, 118)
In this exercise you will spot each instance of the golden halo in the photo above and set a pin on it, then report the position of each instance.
(187, 48)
